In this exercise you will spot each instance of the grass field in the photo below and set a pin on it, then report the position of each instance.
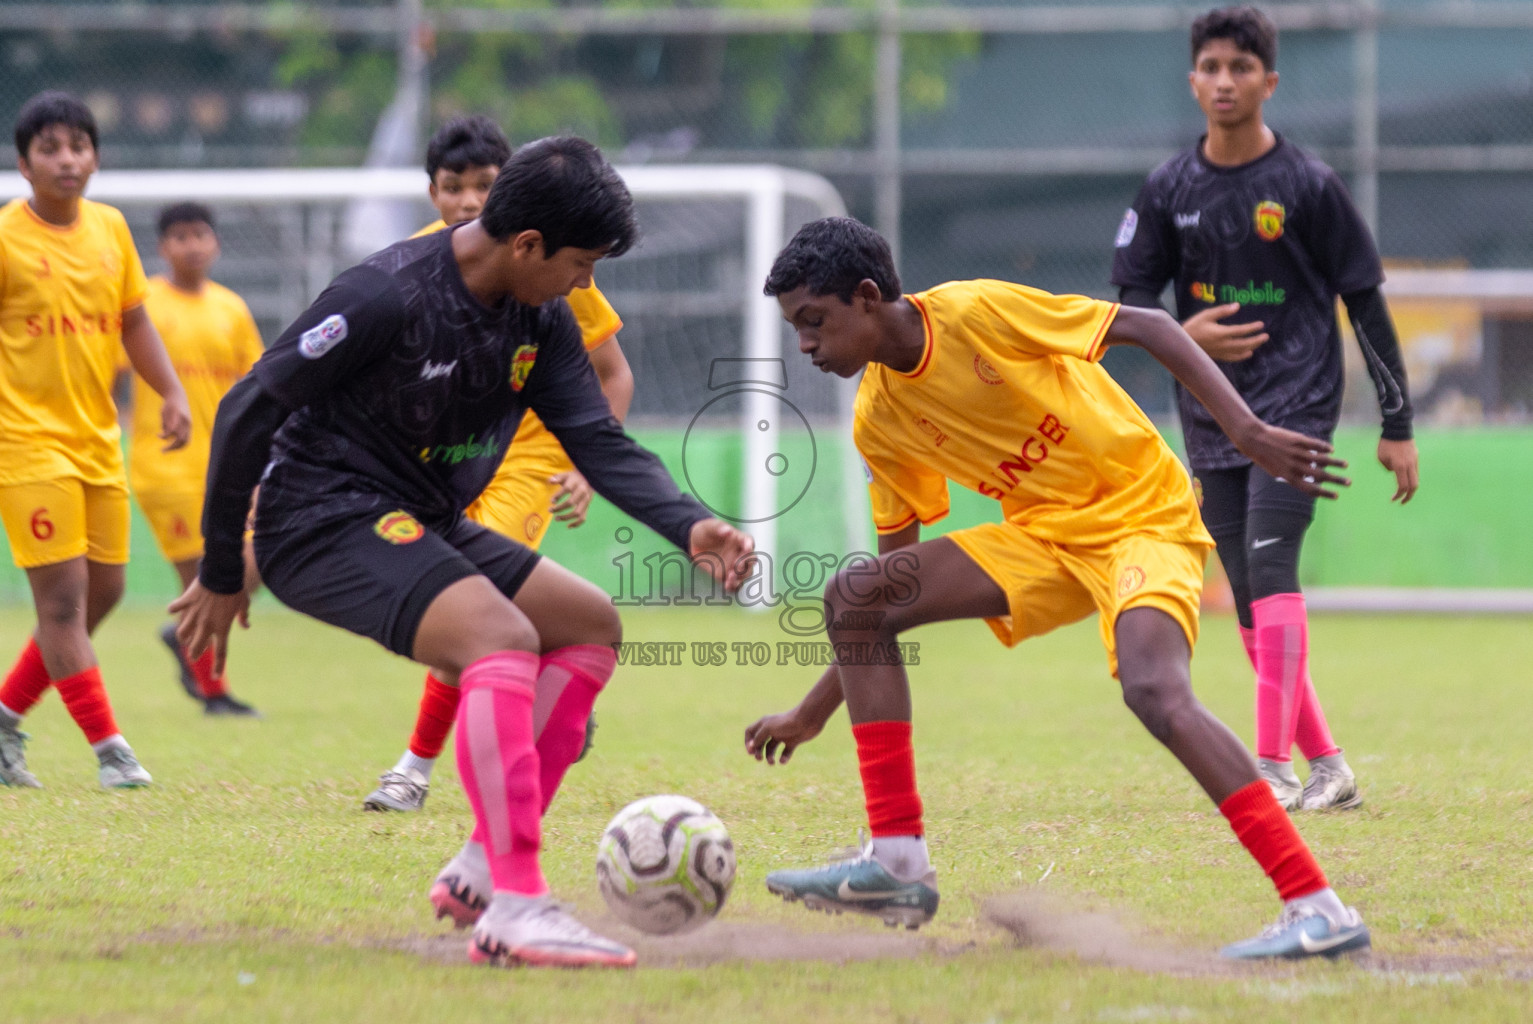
(248, 885)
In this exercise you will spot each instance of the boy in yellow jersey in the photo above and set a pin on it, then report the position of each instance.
(997, 386)
(71, 295)
(536, 483)
(212, 342)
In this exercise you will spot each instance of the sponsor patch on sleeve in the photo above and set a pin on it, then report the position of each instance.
(1126, 228)
(318, 340)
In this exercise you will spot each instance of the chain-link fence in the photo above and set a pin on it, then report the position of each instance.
(993, 140)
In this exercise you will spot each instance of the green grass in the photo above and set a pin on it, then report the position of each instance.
(247, 885)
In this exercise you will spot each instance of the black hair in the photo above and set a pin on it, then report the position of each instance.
(464, 142)
(1248, 28)
(185, 213)
(832, 257)
(50, 108)
(564, 189)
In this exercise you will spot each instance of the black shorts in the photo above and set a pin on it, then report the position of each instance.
(1228, 497)
(377, 576)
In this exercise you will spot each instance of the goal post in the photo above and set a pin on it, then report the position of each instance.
(690, 295)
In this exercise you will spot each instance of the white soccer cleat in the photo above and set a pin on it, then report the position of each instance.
(538, 931)
(121, 770)
(1331, 785)
(463, 888)
(398, 791)
(1286, 788)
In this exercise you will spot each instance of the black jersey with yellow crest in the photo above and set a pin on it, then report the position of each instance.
(1280, 236)
(406, 390)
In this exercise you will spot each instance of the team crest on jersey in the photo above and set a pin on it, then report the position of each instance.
(531, 526)
(1126, 228)
(323, 337)
(399, 527)
(1202, 292)
(987, 373)
(521, 366)
(1269, 220)
(1131, 580)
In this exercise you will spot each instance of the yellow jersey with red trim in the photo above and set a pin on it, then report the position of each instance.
(212, 342)
(1009, 400)
(63, 291)
(534, 447)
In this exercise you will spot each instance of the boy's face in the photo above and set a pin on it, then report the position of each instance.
(459, 195)
(839, 337)
(59, 161)
(536, 279)
(189, 248)
(1230, 84)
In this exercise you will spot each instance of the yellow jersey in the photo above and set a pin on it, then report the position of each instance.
(62, 295)
(212, 342)
(1010, 401)
(534, 449)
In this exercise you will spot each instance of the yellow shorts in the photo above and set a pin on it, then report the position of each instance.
(53, 521)
(176, 519)
(516, 504)
(1049, 585)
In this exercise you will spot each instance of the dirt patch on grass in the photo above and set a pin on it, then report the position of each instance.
(1039, 921)
(724, 942)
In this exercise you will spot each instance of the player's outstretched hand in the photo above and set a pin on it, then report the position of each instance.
(724, 551)
(1399, 457)
(1228, 343)
(775, 737)
(571, 500)
(1296, 459)
(175, 421)
(206, 618)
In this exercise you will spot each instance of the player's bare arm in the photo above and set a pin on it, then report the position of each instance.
(774, 738)
(147, 355)
(573, 498)
(1304, 462)
(1228, 343)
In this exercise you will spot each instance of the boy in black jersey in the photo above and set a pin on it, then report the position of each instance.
(1249, 228)
(371, 424)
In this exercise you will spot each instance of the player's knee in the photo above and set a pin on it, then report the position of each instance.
(61, 609)
(1155, 698)
(856, 602)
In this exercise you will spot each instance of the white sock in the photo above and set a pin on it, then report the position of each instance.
(904, 857)
(1326, 901)
(114, 740)
(11, 718)
(423, 765)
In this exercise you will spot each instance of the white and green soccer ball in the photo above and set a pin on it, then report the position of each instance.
(665, 865)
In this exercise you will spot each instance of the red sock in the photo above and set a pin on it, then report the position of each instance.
(86, 700)
(27, 682)
(439, 709)
(888, 763)
(202, 671)
(1268, 834)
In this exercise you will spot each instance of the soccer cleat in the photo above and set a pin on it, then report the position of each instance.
(537, 931)
(863, 886)
(1331, 785)
(225, 704)
(463, 888)
(121, 770)
(1285, 784)
(1303, 931)
(13, 758)
(188, 681)
(398, 791)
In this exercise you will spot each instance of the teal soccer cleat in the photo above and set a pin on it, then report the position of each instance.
(863, 886)
(1302, 932)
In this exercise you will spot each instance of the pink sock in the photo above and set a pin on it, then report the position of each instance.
(568, 684)
(498, 765)
(1313, 734)
(1282, 656)
(1248, 639)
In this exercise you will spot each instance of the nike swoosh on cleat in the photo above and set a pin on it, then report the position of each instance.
(846, 892)
(1257, 545)
(1321, 945)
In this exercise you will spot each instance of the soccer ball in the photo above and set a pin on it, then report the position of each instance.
(665, 865)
